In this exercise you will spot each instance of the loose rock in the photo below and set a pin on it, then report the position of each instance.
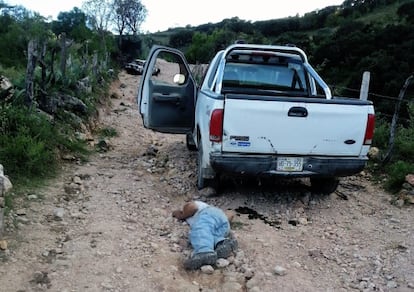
(279, 270)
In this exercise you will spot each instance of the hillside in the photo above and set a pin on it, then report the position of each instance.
(342, 41)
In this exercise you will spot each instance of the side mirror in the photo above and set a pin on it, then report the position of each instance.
(179, 79)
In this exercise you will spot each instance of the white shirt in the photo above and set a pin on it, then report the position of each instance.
(200, 206)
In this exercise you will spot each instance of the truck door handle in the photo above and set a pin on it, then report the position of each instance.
(298, 111)
(171, 98)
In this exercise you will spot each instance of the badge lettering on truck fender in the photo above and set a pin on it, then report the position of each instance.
(240, 141)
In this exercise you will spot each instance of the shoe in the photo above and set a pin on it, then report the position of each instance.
(198, 260)
(225, 247)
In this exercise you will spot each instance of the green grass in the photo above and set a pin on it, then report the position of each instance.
(107, 132)
(396, 174)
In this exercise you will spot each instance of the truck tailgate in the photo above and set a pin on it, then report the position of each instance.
(314, 127)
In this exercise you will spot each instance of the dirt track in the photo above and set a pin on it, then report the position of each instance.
(106, 225)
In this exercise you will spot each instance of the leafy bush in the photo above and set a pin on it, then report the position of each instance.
(26, 156)
(381, 134)
(30, 143)
(27, 142)
(108, 132)
(396, 174)
(16, 76)
(404, 142)
(404, 145)
(402, 159)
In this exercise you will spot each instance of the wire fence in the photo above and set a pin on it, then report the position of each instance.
(407, 99)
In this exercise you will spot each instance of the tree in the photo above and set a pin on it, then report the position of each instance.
(73, 23)
(135, 14)
(119, 17)
(200, 49)
(238, 25)
(4, 5)
(181, 38)
(204, 46)
(17, 12)
(127, 17)
(99, 14)
(407, 10)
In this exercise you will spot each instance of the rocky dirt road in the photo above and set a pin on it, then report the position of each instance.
(106, 225)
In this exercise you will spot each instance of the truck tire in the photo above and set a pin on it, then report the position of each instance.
(324, 185)
(201, 181)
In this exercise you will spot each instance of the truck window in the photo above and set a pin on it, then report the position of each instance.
(282, 77)
(231, 76)
(170, 65)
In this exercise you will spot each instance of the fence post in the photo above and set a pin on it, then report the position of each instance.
(365, 85)
(32, 54)
(63, 56)
(395, 119)
(5, 186)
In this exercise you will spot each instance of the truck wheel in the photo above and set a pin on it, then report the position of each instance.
(190, 142)
(324, 185)
(201, 181)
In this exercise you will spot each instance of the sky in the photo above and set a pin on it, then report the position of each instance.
(166, 14)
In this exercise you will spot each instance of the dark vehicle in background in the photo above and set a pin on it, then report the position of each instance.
(136, 67)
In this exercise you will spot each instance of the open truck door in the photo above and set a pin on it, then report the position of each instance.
(166, 100)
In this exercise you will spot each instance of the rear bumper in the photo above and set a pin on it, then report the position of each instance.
(259, 165)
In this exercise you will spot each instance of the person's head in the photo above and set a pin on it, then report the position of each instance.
(189, 209)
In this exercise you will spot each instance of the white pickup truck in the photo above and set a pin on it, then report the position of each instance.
(260, 110)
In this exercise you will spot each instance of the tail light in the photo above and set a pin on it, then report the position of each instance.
(369, 131)
(216, 125)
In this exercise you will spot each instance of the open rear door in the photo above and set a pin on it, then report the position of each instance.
(166, 95)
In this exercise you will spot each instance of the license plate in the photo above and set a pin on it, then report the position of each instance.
(289, 163)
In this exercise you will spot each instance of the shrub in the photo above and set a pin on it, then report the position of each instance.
(404, 145)
(27, 142)
(381, 134)
(108, 132)
(26, 156)
(396, 174)
(402, 159)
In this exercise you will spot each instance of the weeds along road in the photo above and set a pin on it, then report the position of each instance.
(106, 225)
